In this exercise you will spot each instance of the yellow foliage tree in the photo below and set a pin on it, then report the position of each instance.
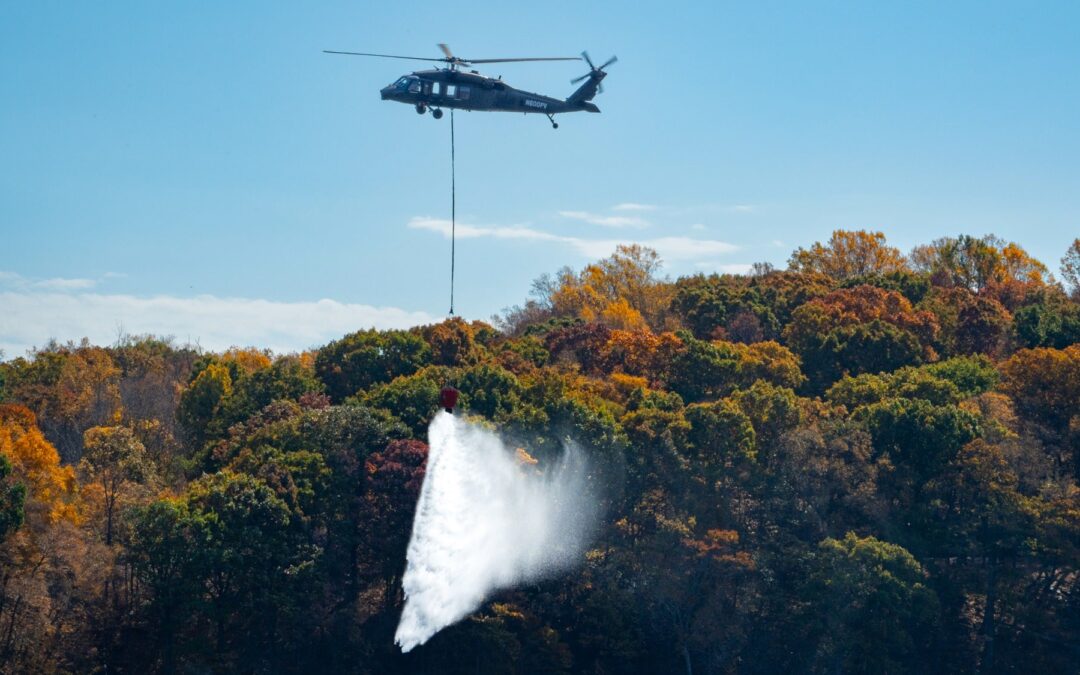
(248, 360)
(606, 290)
(620, 315)
(35, 461)
(849, 254)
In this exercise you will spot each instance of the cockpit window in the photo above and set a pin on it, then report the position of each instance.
(414, 85)
(402, 82)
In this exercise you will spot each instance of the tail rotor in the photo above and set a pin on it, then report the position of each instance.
(597, 73)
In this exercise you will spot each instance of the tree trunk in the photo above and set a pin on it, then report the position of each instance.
(989, 623)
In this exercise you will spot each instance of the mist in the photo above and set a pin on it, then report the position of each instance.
(486, 520)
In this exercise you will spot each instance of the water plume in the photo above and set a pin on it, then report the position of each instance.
(487, 519)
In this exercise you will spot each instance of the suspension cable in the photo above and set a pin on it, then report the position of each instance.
(453, 211)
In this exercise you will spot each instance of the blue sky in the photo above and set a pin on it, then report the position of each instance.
(204, 170)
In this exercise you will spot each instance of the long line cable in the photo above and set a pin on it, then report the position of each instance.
(453, 211)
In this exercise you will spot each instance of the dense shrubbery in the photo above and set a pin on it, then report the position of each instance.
(865, 463)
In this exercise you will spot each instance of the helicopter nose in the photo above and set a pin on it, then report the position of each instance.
(385, 93)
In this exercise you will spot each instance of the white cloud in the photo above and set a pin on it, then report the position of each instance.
(632, 206)
(742, 208)
(30, 317)
(16, 280)
(61, 284)
(697, 226)
(671, 249)
(605, 221)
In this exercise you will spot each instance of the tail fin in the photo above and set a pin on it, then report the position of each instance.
(587, 91)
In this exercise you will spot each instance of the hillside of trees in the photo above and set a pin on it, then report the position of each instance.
(867, 462)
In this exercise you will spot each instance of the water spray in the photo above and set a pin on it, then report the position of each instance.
(486, 520)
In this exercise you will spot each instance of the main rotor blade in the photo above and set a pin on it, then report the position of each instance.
(554, 58)
(579, 79)
(384, 56)
(610, 61)
(446, 50)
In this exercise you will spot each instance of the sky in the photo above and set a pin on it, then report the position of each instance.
(203, 170)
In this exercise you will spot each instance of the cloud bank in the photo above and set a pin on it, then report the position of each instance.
(605, 221)
(671, 249)
(31, 313)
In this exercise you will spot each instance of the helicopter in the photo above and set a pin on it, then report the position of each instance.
(457, 86)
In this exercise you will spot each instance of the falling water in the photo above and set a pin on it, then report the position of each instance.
(486, 520)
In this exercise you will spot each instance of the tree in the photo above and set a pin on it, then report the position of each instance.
(1070, 267)
(1045, 383)
(849, 254)
(243, 556)
(12, 499)
(579, 342)
(113, 459)
(621, 289)
(859, 330)
(164, 547)
(977, 263)
(286, 378)
(36, 462)
(722, 437)
(639, 353)
(970, 323)
(701, 370)
(395, 476)
(413, 399)
(875, 611)
(452, 343)
(359, 360)
(1051, 320)
(919, 439)
(202, 400)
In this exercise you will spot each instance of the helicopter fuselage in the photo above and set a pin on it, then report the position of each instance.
(469, 90)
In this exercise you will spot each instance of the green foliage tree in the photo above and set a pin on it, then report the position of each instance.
(202, 400)
(701, 370)
(12, 499)
(919, 438)
(859, 330)
(243, 557)
(113, 459)
(875, 610)
(164, 547)
(365, 358)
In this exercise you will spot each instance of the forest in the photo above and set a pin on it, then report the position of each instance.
(867, 462)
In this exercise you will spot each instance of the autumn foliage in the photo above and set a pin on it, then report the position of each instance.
(867, 462)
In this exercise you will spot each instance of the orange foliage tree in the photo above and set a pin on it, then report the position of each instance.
(865, 329)
(849, 254)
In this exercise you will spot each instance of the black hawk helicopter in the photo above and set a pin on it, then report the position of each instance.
(452, 87)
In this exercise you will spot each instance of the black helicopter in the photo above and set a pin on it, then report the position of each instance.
(451, 87)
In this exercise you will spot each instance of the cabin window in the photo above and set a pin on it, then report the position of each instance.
(463, 93)
(451, 90)
(437, 88)
(414, 87)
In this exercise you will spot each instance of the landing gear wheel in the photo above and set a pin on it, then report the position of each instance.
(421, 108)
(436, 113)
(554, 125)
